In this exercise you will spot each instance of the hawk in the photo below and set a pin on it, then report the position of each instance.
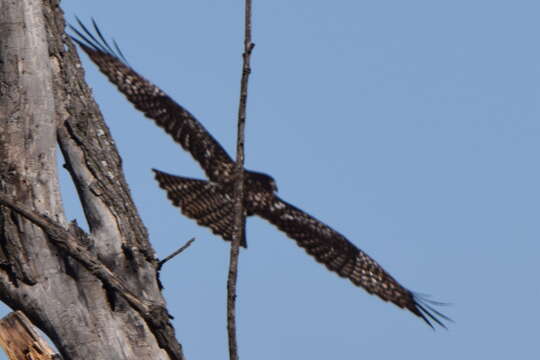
(210, 203)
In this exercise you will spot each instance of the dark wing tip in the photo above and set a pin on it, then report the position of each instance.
(423, 308)
(86, 39)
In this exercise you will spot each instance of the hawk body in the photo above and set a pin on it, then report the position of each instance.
(210, 203)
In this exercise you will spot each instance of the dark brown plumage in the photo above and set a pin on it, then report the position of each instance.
(201, 201)
(158, 106)
(210, 203)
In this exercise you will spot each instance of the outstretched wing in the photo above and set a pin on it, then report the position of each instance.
(156, 105)
(211, 206)
(202, 201)
(341, 256)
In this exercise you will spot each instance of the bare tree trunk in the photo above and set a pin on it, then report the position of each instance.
(44, 100)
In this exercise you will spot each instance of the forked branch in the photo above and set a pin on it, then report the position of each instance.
(154, 315)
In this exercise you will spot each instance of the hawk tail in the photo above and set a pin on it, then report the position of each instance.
(202, 201)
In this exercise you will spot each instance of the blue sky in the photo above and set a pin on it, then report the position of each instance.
(410, 127)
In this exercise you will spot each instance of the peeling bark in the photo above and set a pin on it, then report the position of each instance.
(20, 341)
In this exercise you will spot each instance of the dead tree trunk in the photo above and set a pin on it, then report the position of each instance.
(95, 295)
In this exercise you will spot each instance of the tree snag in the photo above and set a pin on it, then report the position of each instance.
(44, 101)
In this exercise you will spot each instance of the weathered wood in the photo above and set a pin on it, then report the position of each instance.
(43, 99)
(153, 314)
(21, 341)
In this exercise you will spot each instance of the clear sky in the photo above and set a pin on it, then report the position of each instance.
(412, 127)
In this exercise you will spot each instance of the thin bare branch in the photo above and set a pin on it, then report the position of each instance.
(240, 219)
(177, 252)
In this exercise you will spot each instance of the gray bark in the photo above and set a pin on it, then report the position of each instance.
(44, 101)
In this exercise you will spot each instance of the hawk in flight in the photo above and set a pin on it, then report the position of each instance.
(210, 203)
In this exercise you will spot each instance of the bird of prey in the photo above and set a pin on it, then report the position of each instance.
(210, 203)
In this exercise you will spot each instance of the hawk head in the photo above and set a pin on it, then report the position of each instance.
(260, 182)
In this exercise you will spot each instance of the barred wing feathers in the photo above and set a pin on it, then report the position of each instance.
(179, 123)
(339, 255)
(211, 206)
(202, 201)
